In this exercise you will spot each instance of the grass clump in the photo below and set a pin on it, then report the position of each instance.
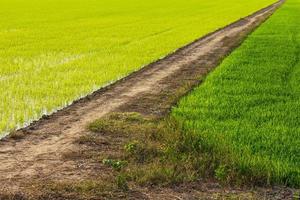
(121, 123)
(87, 189)
(156, 152)
(115, 164)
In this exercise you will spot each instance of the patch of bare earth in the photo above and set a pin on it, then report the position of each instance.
(59, 150)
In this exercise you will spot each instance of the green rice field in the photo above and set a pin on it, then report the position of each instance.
(247, 111)
(55, 51)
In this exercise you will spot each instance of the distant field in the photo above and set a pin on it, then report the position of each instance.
(247, 112)
(55, 51)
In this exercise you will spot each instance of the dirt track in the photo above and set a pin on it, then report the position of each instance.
(38, 155)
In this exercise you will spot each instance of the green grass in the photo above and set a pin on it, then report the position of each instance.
(55, 51)
(247, 112)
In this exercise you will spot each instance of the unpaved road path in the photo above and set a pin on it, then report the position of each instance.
(39, 154)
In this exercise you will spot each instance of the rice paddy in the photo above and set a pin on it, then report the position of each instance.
(53, 52)
(247, 111)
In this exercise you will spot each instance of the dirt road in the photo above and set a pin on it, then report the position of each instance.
(36, 152)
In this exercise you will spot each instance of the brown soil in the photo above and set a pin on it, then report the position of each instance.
(47, 150)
